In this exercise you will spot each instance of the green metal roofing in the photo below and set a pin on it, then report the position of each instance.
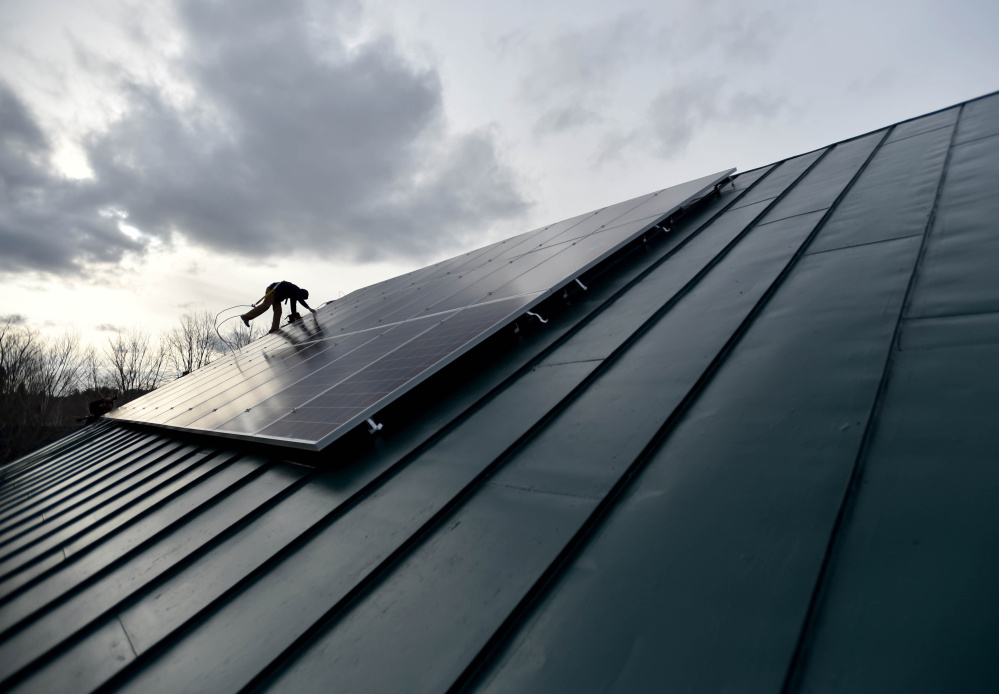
(758, 454)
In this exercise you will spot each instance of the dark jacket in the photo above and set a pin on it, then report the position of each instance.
(286, 291)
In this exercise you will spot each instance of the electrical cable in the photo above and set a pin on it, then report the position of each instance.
(217, 324)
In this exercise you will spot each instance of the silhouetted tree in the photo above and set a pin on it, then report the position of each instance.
(45, 384)
(238, 335)
(135, 363)
(36, 376)
(193, 343)
(95, 378)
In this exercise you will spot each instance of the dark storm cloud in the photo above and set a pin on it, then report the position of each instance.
(293, 141)
(45, 222)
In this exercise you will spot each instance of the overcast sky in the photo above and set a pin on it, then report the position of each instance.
(162, 157)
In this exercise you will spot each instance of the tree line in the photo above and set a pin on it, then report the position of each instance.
(47, 383)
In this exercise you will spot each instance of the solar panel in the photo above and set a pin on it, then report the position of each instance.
(319, 378)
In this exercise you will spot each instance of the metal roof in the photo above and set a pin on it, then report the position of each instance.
(757, 454)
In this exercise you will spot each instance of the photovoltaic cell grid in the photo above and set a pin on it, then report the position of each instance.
(316, 380)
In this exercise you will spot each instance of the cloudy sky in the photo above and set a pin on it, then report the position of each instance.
(162, 157)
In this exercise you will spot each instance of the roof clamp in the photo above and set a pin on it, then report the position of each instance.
(516, 328)
(373, 427)
(531, 313)
(565, 290)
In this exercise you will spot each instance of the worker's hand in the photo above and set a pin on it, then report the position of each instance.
(313, 311)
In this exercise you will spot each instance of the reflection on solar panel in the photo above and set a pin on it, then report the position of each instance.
(316, 380)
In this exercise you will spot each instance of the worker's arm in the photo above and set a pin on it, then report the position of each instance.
(302, 301)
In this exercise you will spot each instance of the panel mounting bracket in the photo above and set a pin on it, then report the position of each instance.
(372, 427)
(722, 183)
(565, 290)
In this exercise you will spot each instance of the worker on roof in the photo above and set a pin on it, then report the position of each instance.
(276, 293)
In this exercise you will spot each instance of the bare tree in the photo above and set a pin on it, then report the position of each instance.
(21, 359)
(45, 384)
(135, 363)
(95, 376)
(238, 335)
(63, 367)
(193, 343)
(36, 377)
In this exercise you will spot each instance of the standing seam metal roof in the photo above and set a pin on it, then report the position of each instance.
(756, 455)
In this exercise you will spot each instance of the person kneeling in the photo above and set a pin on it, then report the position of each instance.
(274, 295)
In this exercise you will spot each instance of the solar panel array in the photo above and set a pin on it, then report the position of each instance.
(317, 379)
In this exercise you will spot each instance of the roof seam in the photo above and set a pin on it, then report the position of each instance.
(965, 314)
(87, 629)
(859, 245)
(799, 659)
(121, 448)
(86, 488)
(46, 452)
(134, 551)
(127, 483)
(477, 665)
(564, 363)
(170, 474)
(61, 474)
(977, 139)
(792, 216)
(924, 132)
(547, 492)
(757, 202)
(128, 637)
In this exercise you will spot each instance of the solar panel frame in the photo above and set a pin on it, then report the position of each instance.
(361, 311)
(516, 309)
(350, 363)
